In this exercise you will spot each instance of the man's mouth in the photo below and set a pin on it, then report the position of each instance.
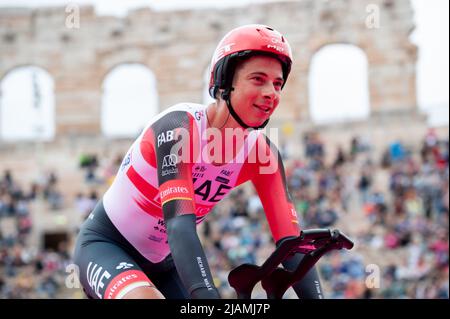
(264, 109)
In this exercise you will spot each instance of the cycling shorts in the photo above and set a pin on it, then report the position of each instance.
(110, 267)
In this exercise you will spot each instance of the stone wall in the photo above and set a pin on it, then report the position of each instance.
(177, 47)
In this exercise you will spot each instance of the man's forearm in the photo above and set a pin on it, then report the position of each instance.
(189, 257)
(309, 287)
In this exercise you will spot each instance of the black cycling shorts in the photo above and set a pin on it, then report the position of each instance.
(110, 267)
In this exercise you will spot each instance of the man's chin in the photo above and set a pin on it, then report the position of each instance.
(260, 122)
(255, 121)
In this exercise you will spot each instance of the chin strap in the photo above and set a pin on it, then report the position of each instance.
(226, 98)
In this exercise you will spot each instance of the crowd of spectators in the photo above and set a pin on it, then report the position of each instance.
(27, 271)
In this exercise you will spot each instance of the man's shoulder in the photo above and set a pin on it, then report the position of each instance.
(196, 111)
(186, 107)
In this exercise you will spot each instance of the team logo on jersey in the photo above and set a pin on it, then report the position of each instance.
(221, 179)
(124, 265)
(126, 161)
(125, 282)
(293, 213)
(170, 160)
(200, 169)
(169, 164)
(95, 278)
(155, 238)
(165, 137)
(174, 189)
(161, 227)
(226, 172)
(198, 115)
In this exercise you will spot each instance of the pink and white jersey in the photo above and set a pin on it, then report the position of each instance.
(166, 173)
(134, 200)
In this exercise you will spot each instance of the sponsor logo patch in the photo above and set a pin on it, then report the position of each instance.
(198, 115)
(169, 164)
(125, 282)
(221, 179)
(170, 160)
(124, 265)
(165, 137)
(175, 189)
(96, 276)
(126, 161)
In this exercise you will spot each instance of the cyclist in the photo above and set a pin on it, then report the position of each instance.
(141, 241)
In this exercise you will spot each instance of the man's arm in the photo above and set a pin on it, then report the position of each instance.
(272, 189)
(173, 136)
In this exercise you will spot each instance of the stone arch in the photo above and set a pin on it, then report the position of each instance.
(347, 93)
(391, 77)
(14, 67)
(127, 105)
(27, 104)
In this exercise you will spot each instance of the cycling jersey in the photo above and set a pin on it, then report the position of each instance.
(133, 202)
(167, 184)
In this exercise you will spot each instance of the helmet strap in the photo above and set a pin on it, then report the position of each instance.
(226, 97)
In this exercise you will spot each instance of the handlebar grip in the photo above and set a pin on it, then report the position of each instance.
(347, 242)
(316, 233)
(327, 234)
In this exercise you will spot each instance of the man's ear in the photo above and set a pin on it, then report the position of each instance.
(219, 94)
(225, 94)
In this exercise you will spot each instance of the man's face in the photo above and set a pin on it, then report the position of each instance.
(257, 86)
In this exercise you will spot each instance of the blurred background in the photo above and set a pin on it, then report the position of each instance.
(363, 131)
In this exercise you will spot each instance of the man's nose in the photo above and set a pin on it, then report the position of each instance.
(269, 92)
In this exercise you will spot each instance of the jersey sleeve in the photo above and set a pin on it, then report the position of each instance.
(175, 140)
(174, 137)
(270, 182)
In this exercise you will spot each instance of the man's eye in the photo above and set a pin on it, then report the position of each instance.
(278, 85)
